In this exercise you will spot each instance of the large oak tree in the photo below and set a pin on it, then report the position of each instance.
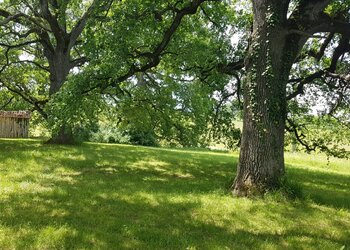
(281, 28)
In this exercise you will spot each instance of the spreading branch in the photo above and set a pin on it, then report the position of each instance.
(231, 68)
(7, 103)
(296, 130)
(153, 57)
(80, 25)
(302, 82)
(17, 90)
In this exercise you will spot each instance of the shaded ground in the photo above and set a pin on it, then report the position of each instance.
(117, 197)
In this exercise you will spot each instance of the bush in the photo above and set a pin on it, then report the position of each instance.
(143, 138)
(107, 134)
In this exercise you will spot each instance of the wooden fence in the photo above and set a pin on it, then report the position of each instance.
(14, 124)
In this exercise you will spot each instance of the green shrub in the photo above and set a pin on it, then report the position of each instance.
(108, 134)
(144, 138)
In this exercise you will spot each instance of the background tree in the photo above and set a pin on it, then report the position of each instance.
(45, 34)
(176, 95)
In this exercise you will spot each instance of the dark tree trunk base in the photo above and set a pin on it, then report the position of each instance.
(242, 190)
(249, 189)
(64, 137)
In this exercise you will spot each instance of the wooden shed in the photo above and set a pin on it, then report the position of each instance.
(14, 124)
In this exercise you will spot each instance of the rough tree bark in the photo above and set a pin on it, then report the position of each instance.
(59, 66)
(59, 57)
(276, 41)
(64, 136)
(271, 55)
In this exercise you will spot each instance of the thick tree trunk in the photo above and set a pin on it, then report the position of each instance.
(59, 70)
(64, 137)
(271, 55)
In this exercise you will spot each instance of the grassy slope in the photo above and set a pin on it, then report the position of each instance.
(111, 197)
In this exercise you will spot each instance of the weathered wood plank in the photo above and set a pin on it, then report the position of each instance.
(14, 124)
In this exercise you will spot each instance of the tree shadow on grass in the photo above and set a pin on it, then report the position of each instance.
(117, 197)
(325, 188)
(184, 171)
(106, 215)
(106, 199)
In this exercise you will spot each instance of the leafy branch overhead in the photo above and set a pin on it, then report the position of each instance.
(192, 66)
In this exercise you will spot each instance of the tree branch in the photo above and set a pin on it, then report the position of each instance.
(36, 103)
(7, 103)
(342, 48)
(32, 62)
(293, 128)
(155, 55)
(326, 23)
(78, 62)
(302, 81)
(231, 67)
(57, 30)
(80, 25)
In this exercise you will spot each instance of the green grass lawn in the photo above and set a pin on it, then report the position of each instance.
(100, 196)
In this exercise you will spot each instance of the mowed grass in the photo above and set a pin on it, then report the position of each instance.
(99, 196)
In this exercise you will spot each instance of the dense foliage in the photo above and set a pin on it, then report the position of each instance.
(171, 72)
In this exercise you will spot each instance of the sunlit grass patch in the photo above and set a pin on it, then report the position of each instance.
(100, 196)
